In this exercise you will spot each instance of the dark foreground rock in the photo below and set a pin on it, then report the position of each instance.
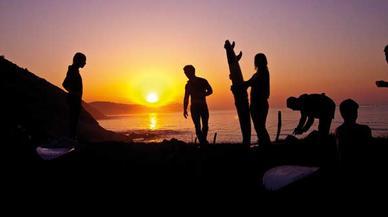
(217, 172)
(39, 108)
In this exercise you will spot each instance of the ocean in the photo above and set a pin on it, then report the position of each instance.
(155, 127)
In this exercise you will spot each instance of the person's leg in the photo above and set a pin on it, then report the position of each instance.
(327, 150)
(75, 109)
(324, 127)
(259, 114)
(78, 107)
(72, 122)
(254, 115)
(263, 121)
(261, 125)
(205, 122)
(195, 115)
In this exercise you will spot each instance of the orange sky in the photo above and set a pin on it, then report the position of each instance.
(135, 47)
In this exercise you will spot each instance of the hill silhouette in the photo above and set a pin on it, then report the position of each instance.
(39, 108)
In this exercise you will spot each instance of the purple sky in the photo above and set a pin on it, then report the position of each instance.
(313, 46)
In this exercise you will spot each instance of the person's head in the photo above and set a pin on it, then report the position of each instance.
(189, 71)
(386, 53)
(260, 61)
(349, 111)
(293, 103)
(79, 60)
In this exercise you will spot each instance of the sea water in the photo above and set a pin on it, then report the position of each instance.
(150, 127)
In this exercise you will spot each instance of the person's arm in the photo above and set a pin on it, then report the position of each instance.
(66, 83)
(267, 85)
(309, 123)
(298, 130)
(249, 83)
(185, 102)
(244, 85)
(381, 84)
(209, 89)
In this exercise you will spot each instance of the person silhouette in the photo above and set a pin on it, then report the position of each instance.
(198, 89)
(352, 138)
(383, 83)
(386, 53)
(73, 85)
(313, 106)
(260, 91)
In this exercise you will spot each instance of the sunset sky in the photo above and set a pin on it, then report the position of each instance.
(138, 47)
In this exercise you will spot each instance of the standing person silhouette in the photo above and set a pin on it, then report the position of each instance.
(352, 138)
(260, 91)
(73, 85)
(386, 52)
(198, 88)
(383, 83)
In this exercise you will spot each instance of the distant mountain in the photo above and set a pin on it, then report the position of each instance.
(98, 115)
(39, 108)
(111, 108)
(176, 107)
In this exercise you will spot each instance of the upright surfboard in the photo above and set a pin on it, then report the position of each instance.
(240, 94)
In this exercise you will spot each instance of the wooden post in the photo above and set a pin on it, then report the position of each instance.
(240, 94)
(214, 138)
(279, 125)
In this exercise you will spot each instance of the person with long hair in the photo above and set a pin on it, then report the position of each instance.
(260, 91)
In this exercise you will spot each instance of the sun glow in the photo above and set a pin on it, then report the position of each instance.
(152, 97)
(153, 88)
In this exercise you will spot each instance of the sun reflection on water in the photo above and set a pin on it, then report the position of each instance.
(153, 121)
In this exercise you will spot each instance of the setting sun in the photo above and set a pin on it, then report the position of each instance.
(151, 87)
(152, 97)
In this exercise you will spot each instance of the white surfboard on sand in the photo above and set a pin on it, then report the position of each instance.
(56, 148)
(278, 177)
(52, 153)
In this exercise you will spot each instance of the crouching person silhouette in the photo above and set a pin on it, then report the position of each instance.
(198, 89)
(313, 106)
(73, 85)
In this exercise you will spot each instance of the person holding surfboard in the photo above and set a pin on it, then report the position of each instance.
(383, 83)
(260, 91)
(73, 85)
(198, 89)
